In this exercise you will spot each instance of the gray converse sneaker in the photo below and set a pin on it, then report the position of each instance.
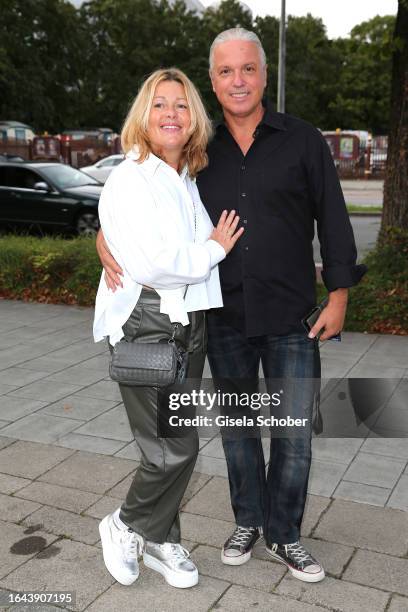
(121, 547)
(171, 561)
(238, 548)
(300, 562)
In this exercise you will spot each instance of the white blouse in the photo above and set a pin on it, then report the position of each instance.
(157, 229)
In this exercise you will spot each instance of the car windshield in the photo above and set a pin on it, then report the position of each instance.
(65, 176)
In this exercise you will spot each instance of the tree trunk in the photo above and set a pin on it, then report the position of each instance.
(395, 210)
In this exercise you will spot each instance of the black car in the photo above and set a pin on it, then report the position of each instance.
(49, 195)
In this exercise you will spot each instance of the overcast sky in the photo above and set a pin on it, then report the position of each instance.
(339, 16)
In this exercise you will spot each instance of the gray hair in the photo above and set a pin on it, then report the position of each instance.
(237, 34)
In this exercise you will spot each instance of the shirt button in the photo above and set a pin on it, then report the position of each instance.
(246, 248)
(245, 221)
(243, 167)
(243, 194)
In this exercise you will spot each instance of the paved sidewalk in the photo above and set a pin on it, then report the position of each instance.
(67, 458)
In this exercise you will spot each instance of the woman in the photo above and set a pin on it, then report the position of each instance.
(159, 232)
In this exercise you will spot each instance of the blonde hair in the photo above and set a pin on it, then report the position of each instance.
(134, 131)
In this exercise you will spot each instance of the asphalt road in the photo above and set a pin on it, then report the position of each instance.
(365, 233)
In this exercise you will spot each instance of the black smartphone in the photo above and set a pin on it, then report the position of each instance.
(310, 319)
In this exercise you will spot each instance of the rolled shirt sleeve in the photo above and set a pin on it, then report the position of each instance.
(337, 244)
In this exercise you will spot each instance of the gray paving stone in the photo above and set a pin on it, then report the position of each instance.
(7, 388)
(202, 530)
(130, 451)
(105, 505)
(382, 571)
(394, 347)
(366, 369)
(14, 510)
(89, 472)
(4, 423)
(242, 599)
(99, 363)
(334, 557)
(63, 523)
(44, 364)
(103, 389)
(398, 604)
(40, 428)
(399, 496)
(20, 376)
(335, 594)
(58, 496)
(211, 465)
(13, 408)
(365, 526)
(11, 535)
(90, 444)
(46, 391)
(196, 483)
(112, 424)
(392, 447)
(362, 493)
(203, 503)
(11, 484)
(76, 375)
(257, 574)
(324, 477)
(72, 565)
(4, 441)
(314, 508)
(29, 460)
(336, 450)
(78, 407)
(375, 470)
(152, 593)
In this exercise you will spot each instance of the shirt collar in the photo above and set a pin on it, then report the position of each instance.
(270, 118)
(152, 162)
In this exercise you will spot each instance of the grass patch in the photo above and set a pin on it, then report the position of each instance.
(49, 269)
(379, 303)
(60, 271)
(353, 208)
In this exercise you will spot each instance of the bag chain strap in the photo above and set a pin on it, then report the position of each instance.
(177, 325)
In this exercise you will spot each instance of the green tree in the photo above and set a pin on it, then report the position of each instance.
(40, 64)
(364, 78)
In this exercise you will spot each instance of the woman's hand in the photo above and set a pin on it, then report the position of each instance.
(112, 269)
(226, 233)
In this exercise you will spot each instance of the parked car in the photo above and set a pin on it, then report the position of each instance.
(9, 157)
(102, 169)
(49, 195)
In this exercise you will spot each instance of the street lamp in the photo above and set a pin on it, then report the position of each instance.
(282, 59)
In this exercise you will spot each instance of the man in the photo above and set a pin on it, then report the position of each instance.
(276, 171)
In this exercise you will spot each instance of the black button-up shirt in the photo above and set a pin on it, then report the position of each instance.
(285, 181)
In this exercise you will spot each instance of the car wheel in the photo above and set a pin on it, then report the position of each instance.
(87, 224)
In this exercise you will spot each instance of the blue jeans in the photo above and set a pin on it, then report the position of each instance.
(274, 500)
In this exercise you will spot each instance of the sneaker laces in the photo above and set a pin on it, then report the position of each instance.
(299, 552)
(176, 552)
(132, 543)
(241, 536)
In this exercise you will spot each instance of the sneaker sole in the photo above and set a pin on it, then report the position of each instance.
(305, 577)
(110, 565)
(172, 578)
(240, 560)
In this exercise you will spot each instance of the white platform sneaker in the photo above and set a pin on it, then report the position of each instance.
(121, 548)
(172, 562)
